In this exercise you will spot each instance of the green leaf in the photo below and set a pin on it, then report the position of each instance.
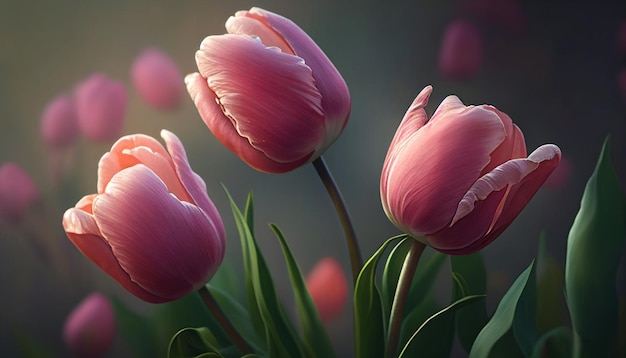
(136, 330)
(556, 343)
(281, 338)
(550, 304)
(471, 319)
(594, 248)
(315, 335)
(433, 338)
(369, 334)
(505, 315)
(390, 275)
(193, 343)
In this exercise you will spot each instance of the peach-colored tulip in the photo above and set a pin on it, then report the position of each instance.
(157, 79)
(268, 92)
(328, 288)
(151, 225)
(59, 124)
(101, 107)
(17, 192)
(89, 329)
(455, 182)
(461, 52)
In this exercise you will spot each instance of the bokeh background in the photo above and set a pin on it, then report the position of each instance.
(556, 78)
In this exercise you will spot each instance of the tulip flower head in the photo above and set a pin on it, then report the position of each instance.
(157, 79)
(59, 124)
(328, 288)
(456, 181)
(17, 192)
(101, 107)
(89, 329)
(268, 92)
(461, 53)
(151, 225)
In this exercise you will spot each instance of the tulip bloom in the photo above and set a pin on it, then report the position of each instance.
(17, 192)
(157, 79)
(455, 182)
(101, 107)
(151, 225)
(328, 288)
(461, 53)
(89, 329)
(59, 124)
(268, 92)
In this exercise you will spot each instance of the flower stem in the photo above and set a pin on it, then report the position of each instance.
(356, 261)
(223, 321)
(402, 291)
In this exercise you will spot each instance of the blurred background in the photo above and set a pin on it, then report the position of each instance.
(554, 70)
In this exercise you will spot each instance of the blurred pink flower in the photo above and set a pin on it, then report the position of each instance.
(100, 107)
(151, 225)
(268, 92)
(328, 287)
(461, 51)
(89, 329)
(17, 192)
(59, 125)
(456, 181)
(504, 14)
(157, 79)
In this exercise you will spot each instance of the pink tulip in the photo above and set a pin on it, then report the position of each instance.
(455, 182)
(59, 125)
(151, 226)
(157, 79)
(461, 52)
(17, 192)
(89, 329)
(100, 107)
(268, 92)
(561, 174)
(328, 288)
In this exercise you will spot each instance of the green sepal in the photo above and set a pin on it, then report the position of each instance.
(594, 248)
(369, 333)
(315, 336)
(556, 343)
(193, 343)
(508, 319)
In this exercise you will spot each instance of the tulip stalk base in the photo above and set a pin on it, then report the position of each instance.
(402, 290)
(221, 318)
(356, 261)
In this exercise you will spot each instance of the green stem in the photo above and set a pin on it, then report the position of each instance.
(223, 321)
(402, 291)
(356, 261)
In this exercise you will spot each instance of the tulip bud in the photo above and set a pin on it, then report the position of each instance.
(89, 329)
(455, 182)
(151, 225)
(100, 107)
(461, 52)
(59, 125)
(157, 79)
(328, 288)
(17, 192)
(268, 92)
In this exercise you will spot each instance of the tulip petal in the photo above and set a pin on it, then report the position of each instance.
(414, 118)
(237, 69)
(169, 247)
(194, 185)
(437, 165)
(242, 25)
(82, 230)
(334, 90)
(511, 148)
(221, 126)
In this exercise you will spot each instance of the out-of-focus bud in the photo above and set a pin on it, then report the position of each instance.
(17, 192)
(59, 124)
(89, 329)
(101, 107)
(461, 52)
(328, 288)
(157, 79)
(268, 92)
(504, 14)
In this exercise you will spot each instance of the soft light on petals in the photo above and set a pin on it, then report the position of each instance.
(242, 25)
